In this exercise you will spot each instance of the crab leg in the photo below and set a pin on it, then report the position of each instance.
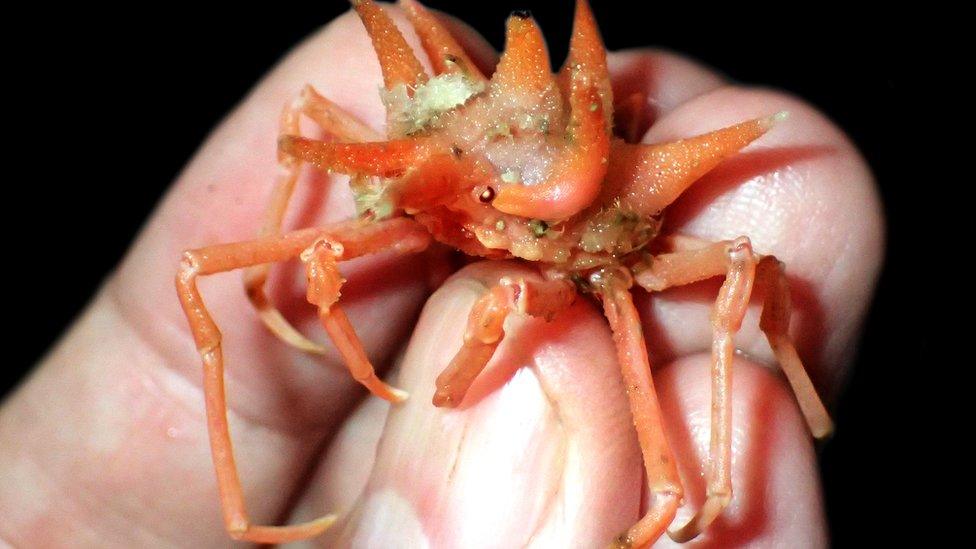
(397, 60)
(400, 233)
(646, 178)
(688, 264)
(343, 126)
(578, 171)
(730, 308)
(694, 260)
(775, 323)
(659, 463)
(445, 54)
(335, 120)
(738, 263)
(385, 159)
(486, 329)
(324, 282)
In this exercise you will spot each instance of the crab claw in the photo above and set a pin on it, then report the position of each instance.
(380, 158)
(445, 54)
(646, 178)
(574, 182)
(399, 64)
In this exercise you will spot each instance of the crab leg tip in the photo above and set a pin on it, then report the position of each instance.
(399, 395)
(322, 524)
(822, 432)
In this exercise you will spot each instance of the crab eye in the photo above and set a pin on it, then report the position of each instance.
(487, 195)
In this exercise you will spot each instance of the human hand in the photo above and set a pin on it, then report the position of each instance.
(106, 443)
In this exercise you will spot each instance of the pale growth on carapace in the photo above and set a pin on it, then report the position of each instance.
(411, 114)
(371, 197)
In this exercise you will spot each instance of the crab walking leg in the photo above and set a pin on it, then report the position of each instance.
(730, 308)
(696, 260)
(775, 323)
(324, 281)
(343, 126)
(384, 159)
(693, 261)
(659, 463)
(485, 329)
(398, 233)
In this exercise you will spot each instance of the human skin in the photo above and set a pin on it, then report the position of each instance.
(106, 445)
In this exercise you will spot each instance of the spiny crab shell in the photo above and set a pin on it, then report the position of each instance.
(523, 164)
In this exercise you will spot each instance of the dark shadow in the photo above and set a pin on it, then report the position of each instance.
(637, 76)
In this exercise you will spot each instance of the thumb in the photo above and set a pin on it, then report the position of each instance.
(541, 448)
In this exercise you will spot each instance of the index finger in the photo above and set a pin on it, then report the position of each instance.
(108, 436)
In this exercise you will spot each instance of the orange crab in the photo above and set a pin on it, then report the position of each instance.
(522, 165)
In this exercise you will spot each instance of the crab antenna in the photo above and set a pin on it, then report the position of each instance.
(646, 178)
(399, 64)
(524, 65)
(385, 159)
(445, 54)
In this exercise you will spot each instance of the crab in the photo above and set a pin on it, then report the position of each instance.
(523, 165)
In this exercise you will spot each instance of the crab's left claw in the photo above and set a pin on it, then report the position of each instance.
(580, 167)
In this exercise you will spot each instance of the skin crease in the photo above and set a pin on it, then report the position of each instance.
(106, 444)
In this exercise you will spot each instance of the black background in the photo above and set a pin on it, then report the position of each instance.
(112, 103)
